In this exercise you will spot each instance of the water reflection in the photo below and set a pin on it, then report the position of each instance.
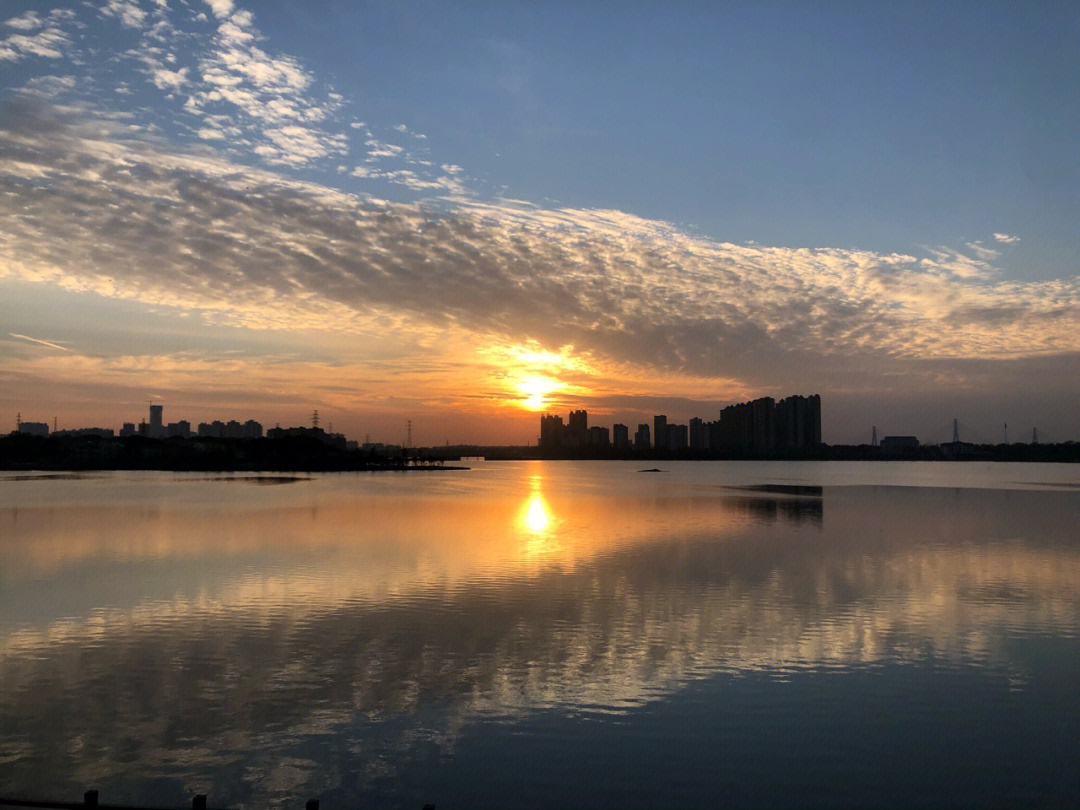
(221, 646)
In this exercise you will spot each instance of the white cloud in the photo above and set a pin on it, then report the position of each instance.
(169, 79)
(378, 149)
(25, 22)
(127, 12)
(259, 248)
(50, 42)
(982, 252)
(221, 8)
(273, 95)
(1006, 238)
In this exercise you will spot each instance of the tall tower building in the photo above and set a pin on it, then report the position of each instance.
(660, 433)
(157, 429)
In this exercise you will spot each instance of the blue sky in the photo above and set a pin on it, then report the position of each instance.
(790, 152)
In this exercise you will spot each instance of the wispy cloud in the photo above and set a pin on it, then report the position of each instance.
(129, 218)
(1006, 238)
(128, 12)
(44, 37)
(48, 343)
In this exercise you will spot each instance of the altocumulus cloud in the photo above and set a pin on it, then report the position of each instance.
(95, 205)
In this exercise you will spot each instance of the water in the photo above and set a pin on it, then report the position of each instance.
(546, 634)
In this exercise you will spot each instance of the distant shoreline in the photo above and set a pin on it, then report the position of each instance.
(25, 453)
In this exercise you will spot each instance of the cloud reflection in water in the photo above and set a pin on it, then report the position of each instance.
(372, 625)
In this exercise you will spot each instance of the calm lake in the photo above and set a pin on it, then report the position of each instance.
(546, 634)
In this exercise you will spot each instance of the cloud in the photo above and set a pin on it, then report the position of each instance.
(48, 343)
(170, 79)
(134, 219)
(50, 42)
(982, 252)
(221, 8)
(127, 12)
(27, 21)
(272, 95)
(1006, 239)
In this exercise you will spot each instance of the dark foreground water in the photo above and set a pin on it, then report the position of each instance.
(546, 635)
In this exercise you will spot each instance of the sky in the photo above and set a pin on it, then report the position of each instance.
(466, 214)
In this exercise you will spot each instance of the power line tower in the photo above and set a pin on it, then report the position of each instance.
(1034, 435)
(1005, 434)
(315, 419)
(408, 433)
(955, 430)
(873, 436)
(18, 420)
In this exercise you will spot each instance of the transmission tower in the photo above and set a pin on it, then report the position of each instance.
(408, 433)
(955, 430)
(1034, 435)
(873, 436)
(18, 420)
(1005, 434)
(315, 419)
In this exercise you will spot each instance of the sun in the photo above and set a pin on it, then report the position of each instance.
(535, 391)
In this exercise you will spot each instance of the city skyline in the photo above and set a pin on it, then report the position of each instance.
(470, 216)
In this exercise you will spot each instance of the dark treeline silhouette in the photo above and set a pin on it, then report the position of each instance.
(308, 453)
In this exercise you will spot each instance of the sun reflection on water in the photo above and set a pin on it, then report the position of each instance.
(537, 522)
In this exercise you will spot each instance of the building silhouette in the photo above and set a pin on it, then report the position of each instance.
(642, 439)
(660, 433)
(156, 430)
(620, 437)
(579, 428)
(761, 427)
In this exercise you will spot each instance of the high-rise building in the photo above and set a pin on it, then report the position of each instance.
(660, 433)
(699, 435)
(677, 437)
(642, 441)
(552, 431)
(766, 426)
(156, 430)
(598, 437)
(620, 436)
(579, 428)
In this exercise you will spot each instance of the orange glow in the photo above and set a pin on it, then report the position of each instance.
(536, 390)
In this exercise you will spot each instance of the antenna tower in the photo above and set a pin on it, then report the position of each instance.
(408, 433)
(873, 436)
(18, 420)
(955, 430)
(1034, 435)
(1005, 434)
(315, 419)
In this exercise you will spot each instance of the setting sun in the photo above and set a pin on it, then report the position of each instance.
(535, 390)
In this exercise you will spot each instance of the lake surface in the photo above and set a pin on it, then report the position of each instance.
(546, 634)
